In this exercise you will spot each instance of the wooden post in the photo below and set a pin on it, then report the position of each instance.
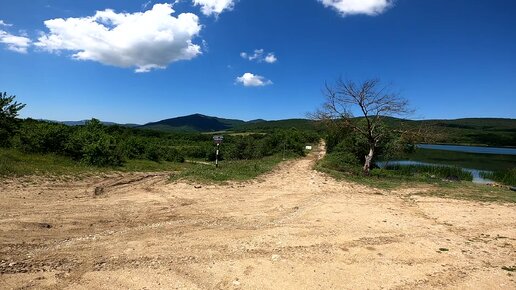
(217, 156)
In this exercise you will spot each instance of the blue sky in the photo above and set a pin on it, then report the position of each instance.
(248, 59)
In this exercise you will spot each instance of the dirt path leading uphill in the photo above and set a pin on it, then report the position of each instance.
(292, 229)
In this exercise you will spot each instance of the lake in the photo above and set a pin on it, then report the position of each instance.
(470, 149)
(474, 159)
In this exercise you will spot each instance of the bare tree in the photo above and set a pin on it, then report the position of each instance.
(371, 100)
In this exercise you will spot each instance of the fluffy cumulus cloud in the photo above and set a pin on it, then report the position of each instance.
(17, 43)
(252, 80)
(214, 7)
(145, 40)
(352, 7)
(259, 55)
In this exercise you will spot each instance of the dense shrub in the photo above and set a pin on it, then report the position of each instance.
(42, 137)
(92, 145)
(100, 145)
(134, 147)
(154, 152)
(102, 151)
(341, 161)
(173, 155)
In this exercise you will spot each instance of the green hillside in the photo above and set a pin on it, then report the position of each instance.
(194, 123)
(479, 131)
(300, 124)
(474, 131)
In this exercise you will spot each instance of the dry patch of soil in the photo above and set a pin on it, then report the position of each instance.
(294, 228)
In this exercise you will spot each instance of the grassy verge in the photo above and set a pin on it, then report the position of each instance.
(238, 170)
(472, 191)
(507, 177)
(384, 180)
(16, 163)
(340, 168)
(434, 186)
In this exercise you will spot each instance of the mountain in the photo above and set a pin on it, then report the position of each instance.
(195, 122)
(203, 123)
(256, 121)
(480, 131)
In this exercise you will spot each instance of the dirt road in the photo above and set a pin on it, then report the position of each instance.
(291, 229)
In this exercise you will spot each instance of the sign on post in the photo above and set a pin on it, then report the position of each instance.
(218, 140)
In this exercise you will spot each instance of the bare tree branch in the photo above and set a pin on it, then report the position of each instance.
(371, 100)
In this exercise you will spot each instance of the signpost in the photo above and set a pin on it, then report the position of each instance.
(218, 140)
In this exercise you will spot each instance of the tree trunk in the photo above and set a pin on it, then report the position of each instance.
(368, 159)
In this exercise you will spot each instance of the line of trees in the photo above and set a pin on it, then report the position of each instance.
(101, 145)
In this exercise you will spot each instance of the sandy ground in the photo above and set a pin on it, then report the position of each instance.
(294, 228)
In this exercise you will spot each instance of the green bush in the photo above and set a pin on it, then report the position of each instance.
(341, 161)
(173, 155)
(154, 152)
(42, 137)
(102, 152)
(196, 151)
(100, 145)
(134, 147)
(91, 145)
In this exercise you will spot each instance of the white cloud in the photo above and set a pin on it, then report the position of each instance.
(14, 42)
(209, 7)
(2, 23)
(270, 58)
(251, 80)
(146, 40)
(259, 56)
(352, 7)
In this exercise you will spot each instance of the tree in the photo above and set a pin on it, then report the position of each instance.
(372, 101)
(8, 112)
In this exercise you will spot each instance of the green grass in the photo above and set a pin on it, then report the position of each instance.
(228, 170)
(336, 166)
(433, 187)
(379, 178)
(16, 163)
(507, 177)
(431, 171)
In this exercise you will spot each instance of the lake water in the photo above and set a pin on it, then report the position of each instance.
(474, 159)
(470, 149)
